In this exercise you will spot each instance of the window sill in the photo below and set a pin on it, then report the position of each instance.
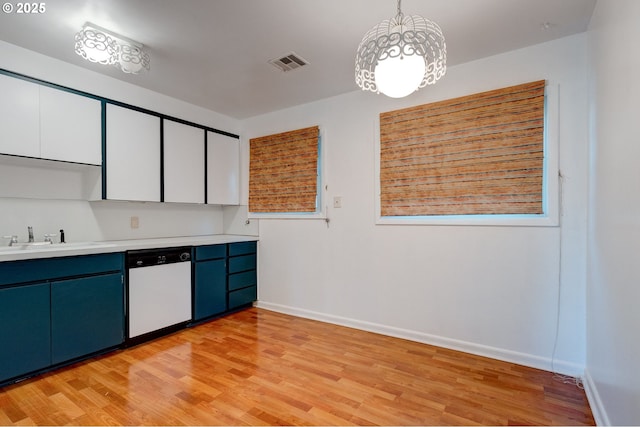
(473, 220)
(284, 215)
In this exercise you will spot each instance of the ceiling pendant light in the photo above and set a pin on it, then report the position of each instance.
(401, 55)
(100, 45)
(96, 46)
(132, 58)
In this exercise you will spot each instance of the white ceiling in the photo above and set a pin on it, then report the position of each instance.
(215, 53)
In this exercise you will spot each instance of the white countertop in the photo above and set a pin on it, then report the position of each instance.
(87, 248)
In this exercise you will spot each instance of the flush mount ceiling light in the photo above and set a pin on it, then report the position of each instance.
(99, 45)
(401, 55)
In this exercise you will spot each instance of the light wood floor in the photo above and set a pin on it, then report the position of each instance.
(257, 367)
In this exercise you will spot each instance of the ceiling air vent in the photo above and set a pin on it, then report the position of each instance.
(289, 62)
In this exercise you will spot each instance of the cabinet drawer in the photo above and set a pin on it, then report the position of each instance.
(242, 280)
(242, 297)
(210, 252)
(13, 272)
(242, 263)
(242, 248)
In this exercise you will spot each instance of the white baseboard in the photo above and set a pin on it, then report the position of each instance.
(597, 408)
(562, 367)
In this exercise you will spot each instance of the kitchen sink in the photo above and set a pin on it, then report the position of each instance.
(47, 247)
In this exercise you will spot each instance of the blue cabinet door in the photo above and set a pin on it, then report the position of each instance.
(210, 291)
(87, 315)
(25, 341)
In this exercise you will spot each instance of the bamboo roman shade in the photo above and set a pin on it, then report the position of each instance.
(283, 171)
(478, 154)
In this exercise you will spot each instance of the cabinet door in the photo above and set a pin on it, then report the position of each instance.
(133, 155)
(223, 169)
(24, 330)
(210, 297)
(19, 121)
(87, 315)
(70, 127)
(183, 163)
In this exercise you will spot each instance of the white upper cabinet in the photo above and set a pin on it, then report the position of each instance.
(43, 122)
(183, 163)
(223, 169)
(70, 127)
(19, 121)
(148, 156)
(132, 155)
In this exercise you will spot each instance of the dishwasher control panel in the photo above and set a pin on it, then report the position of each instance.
(150, 257)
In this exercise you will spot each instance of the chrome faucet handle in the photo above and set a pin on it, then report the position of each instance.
(13, 239)
(30, 230)
(47, 237)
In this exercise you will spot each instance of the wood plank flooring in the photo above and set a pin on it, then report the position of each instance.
(258, 367)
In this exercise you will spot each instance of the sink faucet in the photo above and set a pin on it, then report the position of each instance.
(30, 229)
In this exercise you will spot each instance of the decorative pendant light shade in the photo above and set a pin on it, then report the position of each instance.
(401, 55)
(96, 46)
(99, 45)
(133, 59)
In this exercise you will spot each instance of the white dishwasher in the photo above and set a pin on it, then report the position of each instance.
(158, 291)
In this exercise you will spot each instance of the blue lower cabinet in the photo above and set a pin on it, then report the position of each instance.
(87, 316)
(25, 340)
(224, 278)
(210, 289)
(56, 310)
(59, 310)
(243, 280)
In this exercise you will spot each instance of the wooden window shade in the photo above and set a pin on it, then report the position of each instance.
(283, 171)
(474, 155)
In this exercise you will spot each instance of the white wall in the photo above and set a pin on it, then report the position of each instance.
(613, 318)
(484, 289)
(51, 198)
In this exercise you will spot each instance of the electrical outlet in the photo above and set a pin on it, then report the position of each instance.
(135, 222)
(337, 202)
